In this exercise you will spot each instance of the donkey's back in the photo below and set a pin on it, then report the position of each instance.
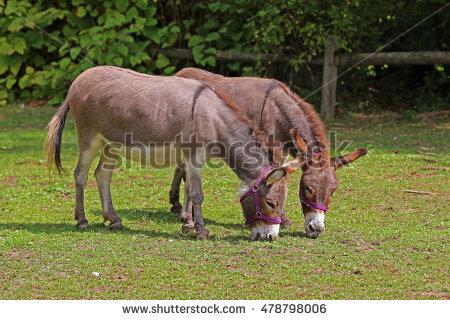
(250, 93)
(114, 101)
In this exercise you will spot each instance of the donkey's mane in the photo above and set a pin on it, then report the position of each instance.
(317, 126)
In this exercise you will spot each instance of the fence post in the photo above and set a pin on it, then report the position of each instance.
(327, 107)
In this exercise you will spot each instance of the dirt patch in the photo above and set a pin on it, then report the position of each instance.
(65, 195)
(90, 183)
(236, 264)
(430, 294)
(60, 274)
(98, 289)
(10, 182)
(128, 278)
(32, 162)
(18, 256)
(120, 182)
(417, 174)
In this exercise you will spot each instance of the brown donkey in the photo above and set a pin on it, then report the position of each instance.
(166, 121)
(289, 119)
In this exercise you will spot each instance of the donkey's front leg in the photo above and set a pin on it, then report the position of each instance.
(103, 174)
(186, 214)
(193, 179)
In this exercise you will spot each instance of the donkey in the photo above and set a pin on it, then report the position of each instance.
(289, 119)
(167, 120)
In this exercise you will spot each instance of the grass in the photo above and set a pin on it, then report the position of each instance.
(380, 242)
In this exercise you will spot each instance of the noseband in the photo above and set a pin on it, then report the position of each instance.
(309, 203)
(254, 190)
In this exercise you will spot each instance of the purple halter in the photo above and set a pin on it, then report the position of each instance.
(309, 203)
(254, 190)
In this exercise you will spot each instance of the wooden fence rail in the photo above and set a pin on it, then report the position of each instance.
(330, 63)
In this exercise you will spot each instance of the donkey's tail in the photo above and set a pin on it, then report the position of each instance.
(52, 142)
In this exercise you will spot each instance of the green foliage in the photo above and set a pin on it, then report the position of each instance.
(48, 44)
(59, 40)
(411, 114)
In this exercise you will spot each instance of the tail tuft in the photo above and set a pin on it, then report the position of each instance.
(52, 144)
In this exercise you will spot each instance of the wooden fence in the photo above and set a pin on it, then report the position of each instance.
(330, 62)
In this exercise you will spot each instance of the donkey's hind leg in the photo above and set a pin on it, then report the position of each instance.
(174, 194)
(103, 175)
(87, 153)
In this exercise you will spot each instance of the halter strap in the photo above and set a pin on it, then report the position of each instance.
(254, 190)
(309, 203)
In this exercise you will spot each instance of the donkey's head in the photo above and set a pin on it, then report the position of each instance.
(318, 182)
(263, 203)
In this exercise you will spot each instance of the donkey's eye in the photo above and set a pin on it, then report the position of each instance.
(308, 189)
(270, 204)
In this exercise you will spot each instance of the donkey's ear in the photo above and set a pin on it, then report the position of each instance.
(293, 165)
(275, 175)
(298, 141)
(348, 158)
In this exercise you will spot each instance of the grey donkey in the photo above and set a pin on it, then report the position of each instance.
(167, 121)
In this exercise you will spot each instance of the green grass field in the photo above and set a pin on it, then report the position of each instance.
(380, 242)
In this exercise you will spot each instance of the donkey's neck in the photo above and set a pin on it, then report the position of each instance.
(248, 166)
(243, 154)
(296, 117)
(239, 145)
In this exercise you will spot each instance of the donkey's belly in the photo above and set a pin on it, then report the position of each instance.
(151, 154)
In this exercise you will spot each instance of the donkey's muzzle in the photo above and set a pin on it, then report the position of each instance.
(314, 231)
(315, 224)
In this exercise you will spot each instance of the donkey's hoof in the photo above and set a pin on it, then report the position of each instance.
(176, 208)
(115, 226)
(286, 224)
(186, 228)
(202, 236)
(82, 225)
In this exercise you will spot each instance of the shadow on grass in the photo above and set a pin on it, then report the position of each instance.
(294, 234)
(100, 228)
(158, 215)
(161, 215)
(56, 228)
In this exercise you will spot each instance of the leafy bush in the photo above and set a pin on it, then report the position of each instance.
(50, 43)
(45, 45)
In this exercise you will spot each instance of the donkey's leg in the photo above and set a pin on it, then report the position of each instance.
(103, 175)
(174, 194)
(193, 179)
(87, 154)
(186, 215)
